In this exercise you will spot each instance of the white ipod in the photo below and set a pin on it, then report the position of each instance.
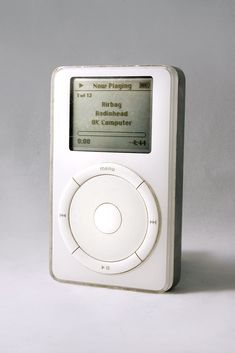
(116, 176)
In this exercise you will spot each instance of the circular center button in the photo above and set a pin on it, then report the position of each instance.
(107, 218)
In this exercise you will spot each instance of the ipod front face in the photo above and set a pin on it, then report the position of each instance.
(116, 176)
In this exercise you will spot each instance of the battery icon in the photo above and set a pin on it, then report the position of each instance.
(145, 84)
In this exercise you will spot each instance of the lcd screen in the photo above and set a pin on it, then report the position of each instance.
(111, 114)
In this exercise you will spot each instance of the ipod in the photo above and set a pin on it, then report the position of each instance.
(116, 176)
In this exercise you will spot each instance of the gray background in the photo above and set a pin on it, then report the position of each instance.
(38, 314)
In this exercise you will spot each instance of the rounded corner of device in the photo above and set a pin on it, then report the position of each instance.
(171, 286)
(56, 70)
(166, 288)
(173, 70)
(53, 275)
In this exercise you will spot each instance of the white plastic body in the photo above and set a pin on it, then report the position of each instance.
(157, 168)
